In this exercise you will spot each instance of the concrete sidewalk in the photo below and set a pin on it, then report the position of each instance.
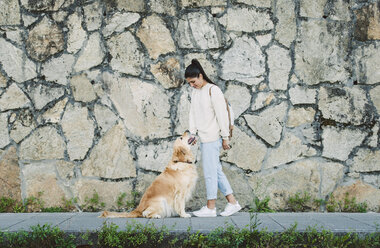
(339, 223)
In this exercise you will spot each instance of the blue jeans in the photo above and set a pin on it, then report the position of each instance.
(212, 170)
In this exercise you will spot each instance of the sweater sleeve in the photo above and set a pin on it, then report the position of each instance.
(219, 103)
(192, 127)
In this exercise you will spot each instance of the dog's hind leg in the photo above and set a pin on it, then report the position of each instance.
(151, 212)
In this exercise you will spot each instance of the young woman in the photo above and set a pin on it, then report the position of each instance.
(208, 118)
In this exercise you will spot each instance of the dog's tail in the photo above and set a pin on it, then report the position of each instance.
(133, 214)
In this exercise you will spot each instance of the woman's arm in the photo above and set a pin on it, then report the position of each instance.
(220, 107)
(192, 128)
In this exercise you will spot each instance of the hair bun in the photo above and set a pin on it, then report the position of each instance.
(194, 62)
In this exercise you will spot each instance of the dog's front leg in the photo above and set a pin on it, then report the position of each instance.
(179, 205)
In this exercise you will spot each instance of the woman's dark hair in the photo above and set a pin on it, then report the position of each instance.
(194, 69)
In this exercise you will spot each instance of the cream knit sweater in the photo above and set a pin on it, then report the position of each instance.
(208, 115)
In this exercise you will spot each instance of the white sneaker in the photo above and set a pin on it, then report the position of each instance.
(231, 209)
(205, 212)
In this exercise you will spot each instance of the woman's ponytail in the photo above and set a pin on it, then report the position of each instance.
(194, 69)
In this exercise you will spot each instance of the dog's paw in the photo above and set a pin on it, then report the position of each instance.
(156, 216)
(104, 214)
(186, 215)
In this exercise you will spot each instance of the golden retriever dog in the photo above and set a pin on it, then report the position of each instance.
(169, 192)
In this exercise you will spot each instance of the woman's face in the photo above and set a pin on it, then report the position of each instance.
(196, 82)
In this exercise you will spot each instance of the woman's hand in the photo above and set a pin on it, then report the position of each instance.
(226, 144)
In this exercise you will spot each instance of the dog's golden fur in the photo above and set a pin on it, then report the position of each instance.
(169, 192)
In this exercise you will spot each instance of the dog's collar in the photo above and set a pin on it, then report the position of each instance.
(187, 162)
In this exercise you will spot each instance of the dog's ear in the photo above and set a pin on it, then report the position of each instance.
(182, 154)
(179, 154)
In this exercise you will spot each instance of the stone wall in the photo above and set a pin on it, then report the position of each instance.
(92, 95)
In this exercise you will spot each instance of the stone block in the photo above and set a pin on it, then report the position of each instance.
(92, 53)
(246, 20)
(53, 115)
(154, 157)
(312, 8)
(168, 7)
(189, 35)
(15, 63)
(373, 180)
(302, 95)
(42, 94)
(127, 5)
(300, 116)
(126, 54)
(345, 105)
(43, 5)
(76, 35)
(362, 192)
(305, 175)
(339, 10)
(203, 3)
(264, 40)
(15, 34)
(367, 25)
(44, 40)
(13, 98)
(375, 97)
(28, 19)
(22, 126)
(257, 3)
(332, 174)
(262, 99)
(317, 56)
(10, 12)
(155, 36)
(4, 132)
(43, 143)
(78, 129)
(3, 81)
(286, 28)
(268, 124)
(291, 148)
(183, 110)
(244, 61)
(40, 180)
(365, 160)
(10, 174)
(65, 171)
(83, 90)
(168, 73)
(119, 22)
(239, 97)
(108, 192)
(111, 158)
(93, 16)
(279, 64)
(338, 143)
(247, 152)
(143, 106)
(58, 69)
(105, 118)
(366, 59)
